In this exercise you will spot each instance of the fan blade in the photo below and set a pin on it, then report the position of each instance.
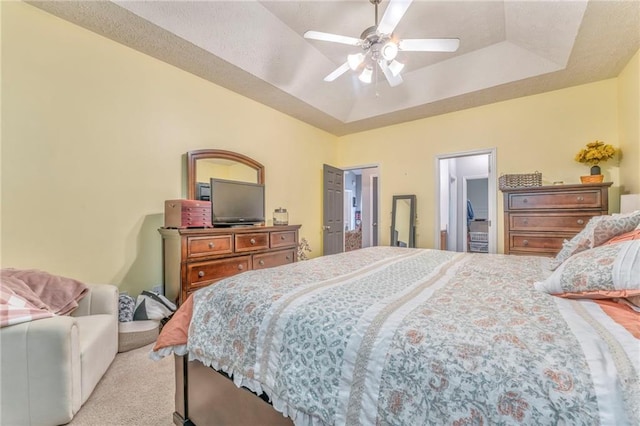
(429, 44)
(393, 80)
(338, 72)
(392, 16)
(317, 35)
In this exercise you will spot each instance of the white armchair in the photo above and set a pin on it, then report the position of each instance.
(50, 366)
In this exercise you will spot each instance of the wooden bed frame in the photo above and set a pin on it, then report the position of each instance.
(207, 397)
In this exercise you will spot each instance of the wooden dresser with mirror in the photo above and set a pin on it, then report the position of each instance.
(198, 257)
(538, 219)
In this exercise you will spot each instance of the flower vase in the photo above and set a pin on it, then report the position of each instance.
(594, 177)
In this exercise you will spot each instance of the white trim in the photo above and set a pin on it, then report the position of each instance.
(492, 198)
(365, 166)
(375, 166)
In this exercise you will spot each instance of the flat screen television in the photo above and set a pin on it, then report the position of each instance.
(236, 203)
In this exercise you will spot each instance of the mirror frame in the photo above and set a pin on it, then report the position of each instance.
(412, 219)
(206, 154)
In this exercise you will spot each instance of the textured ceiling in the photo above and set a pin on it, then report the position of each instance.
(507, 49)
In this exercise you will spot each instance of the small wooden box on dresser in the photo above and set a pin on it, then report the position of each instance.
(195, 258)
(538, 219)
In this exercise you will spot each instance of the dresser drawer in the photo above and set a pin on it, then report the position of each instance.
(584, 199)
(252, 242)
(207, 246)
(196, 258)
(549, 221)
(283, 239)
(202, 273)
(269, 260)
(537, 242)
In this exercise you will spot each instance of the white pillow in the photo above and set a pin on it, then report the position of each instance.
(598, 231)
(608, 271)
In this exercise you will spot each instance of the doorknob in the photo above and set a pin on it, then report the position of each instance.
(326, 228)
(375, 224)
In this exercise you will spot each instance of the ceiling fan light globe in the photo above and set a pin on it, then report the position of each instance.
(366, 75)
(355, 60)
(395, 67)
(389, 51)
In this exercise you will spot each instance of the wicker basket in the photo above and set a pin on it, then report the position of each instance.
(135, 334)
(592, 178)
(482, 237)
(520, 180)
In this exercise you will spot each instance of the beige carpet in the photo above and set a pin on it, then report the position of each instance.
(135, 391)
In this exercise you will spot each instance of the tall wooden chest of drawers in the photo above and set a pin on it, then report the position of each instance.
(537, 220)
(196, 258)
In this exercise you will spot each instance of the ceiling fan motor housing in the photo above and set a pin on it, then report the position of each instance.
(379, 45)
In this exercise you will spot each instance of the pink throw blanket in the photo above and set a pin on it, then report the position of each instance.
(30, 292)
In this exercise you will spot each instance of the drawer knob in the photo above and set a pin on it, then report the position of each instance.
(580, 221)
(288, 257)
(525, 242)
(526, 221)
(282, 237)
(211, 245)
(240, 267)
(580, 198)
(201, 274)
(525, 200)
(252, 241)
(261, 262)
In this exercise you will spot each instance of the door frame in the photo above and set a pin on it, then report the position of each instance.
(492, 188)
(371, 203)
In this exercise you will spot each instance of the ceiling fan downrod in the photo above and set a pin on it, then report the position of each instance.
(370, 35)
(375, 3)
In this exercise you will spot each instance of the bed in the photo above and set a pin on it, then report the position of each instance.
(388, 335)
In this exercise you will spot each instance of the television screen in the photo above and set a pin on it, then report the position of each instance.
(234, 202)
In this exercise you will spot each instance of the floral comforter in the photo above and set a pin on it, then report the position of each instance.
(388, 335)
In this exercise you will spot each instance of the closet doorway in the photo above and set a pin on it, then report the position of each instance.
(466, 194)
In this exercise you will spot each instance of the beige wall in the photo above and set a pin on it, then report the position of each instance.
(541, 132)
(94, 135)
(93, 139)
(629, 108)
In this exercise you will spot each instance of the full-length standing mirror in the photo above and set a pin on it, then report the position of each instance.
(204, 164)
(403, 224)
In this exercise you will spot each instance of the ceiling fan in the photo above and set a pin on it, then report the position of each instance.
(380, 46)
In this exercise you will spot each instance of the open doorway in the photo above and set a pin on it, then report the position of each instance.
(350, 208)
(361, 207)
(475, 190)
(466, 196)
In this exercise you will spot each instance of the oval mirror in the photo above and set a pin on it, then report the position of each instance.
(204, 164)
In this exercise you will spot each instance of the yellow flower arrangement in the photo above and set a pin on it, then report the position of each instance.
(595, 152)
